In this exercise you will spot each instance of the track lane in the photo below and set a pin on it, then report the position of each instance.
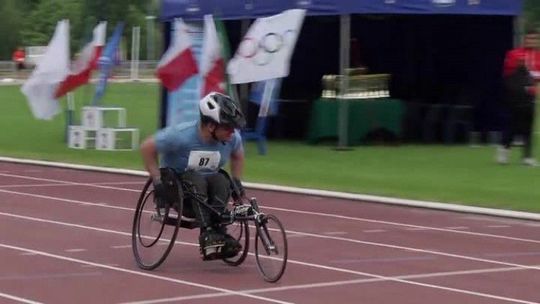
(366, 222)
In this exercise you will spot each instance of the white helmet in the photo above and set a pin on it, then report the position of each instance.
(221, 109)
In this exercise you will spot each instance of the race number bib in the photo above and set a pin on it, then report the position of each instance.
(535, 74)
(203, 160)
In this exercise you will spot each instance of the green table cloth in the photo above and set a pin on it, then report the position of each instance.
(364, 115)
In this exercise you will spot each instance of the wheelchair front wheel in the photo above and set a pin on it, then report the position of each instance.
(270, 247)
(240, 231)
(153, 233)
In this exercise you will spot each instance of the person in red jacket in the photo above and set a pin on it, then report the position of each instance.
(18, 58)
(521, 74)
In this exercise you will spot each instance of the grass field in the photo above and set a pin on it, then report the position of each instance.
(456, 174)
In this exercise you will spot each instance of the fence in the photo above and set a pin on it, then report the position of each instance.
(144, 69)
(7, 69)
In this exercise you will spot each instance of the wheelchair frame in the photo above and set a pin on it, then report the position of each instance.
(268, 229)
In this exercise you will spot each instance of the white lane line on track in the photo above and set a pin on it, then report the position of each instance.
(75, 250)
(64, 185)
(360, 281)
(435, 252)
(143, 274)
(335, 233)
(329, 237)
(303, 233)
(97, 185)
(513, 254)
(49, 276)
(499, 226)
(457, 228)
(513, 266)
(318, 214)
(65, 200)
(18, 299)
(400, 224)
(373, 276)
(374, 231)
(31, 185)
(383, 260)
(303, 191)
(121, 246)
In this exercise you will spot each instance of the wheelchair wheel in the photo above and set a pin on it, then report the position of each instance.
(240, 231)
(153, 233)
(270, 248)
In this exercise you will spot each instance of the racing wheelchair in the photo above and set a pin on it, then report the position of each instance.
(155, 229)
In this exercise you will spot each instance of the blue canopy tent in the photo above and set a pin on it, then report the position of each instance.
(429, 46)
(241, 9)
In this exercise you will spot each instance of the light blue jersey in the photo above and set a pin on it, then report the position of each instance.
(181, 147)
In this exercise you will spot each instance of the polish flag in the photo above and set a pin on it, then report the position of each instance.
(82, 68)
(212, 61)
(52, 69)
(178, 63)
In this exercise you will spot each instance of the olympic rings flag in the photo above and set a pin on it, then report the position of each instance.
(266, 50)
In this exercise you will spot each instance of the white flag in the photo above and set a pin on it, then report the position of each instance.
(266, 50)
(52, 69)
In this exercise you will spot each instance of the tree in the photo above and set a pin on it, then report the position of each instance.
(9, 21)
(41, 22)
(531, 11)
(132, 12)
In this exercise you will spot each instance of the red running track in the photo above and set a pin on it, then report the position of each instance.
(65, 237)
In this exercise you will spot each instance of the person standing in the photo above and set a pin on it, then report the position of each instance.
(521, 75)
(18, 58)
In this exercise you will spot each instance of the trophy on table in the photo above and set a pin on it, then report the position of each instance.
(330, 86)
(359, 86)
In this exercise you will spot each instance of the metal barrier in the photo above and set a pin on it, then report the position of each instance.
(7, 69)
(145, 70)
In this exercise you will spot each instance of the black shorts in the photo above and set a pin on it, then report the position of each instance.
(19, 66)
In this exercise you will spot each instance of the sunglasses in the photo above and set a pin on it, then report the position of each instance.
(227, 127)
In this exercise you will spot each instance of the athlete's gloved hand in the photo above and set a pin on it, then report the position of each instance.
(160, 193)
(238, 190)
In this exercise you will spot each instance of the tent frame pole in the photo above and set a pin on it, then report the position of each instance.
(344, 52)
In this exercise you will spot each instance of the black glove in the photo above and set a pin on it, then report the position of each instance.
(160, 194)
(237, 189)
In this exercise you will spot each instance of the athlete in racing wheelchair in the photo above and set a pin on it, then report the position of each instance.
(196, 151)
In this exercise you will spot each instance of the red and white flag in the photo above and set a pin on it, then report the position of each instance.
(212, 61)
(178, 63)
(52, 69)
(82, 67)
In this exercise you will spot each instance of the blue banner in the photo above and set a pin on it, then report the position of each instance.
(183, 103)
(242, 9)
(107, 61)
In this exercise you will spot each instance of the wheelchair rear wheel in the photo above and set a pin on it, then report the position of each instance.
(270, 248)
(154, 232)
(240, 231)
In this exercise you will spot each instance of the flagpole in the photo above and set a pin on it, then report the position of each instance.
(243, 87)
(232, 89)
(343, 119)
(69, 114)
